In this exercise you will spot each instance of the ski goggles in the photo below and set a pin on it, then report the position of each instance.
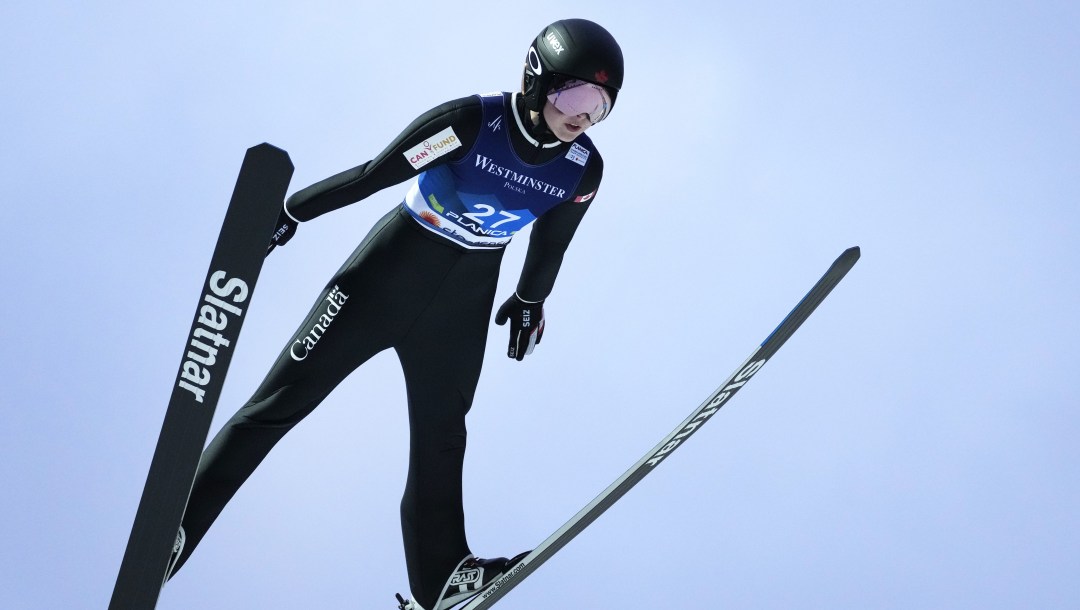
(578, 97)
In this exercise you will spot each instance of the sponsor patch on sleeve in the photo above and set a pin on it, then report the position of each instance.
(432, 148)
(578, 154)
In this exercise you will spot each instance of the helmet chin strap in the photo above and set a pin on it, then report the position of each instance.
(539, 131)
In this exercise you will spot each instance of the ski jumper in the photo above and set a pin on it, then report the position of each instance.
(422, 282)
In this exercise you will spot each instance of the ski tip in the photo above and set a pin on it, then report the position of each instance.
(269, 148)
(850, 255)
(268, 154)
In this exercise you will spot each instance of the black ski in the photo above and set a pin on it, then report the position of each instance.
(671, 442)
(226, 294)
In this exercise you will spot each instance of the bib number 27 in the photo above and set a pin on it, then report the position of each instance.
(484, 212)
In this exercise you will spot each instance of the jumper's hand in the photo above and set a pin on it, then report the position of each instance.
(283, 231)
(526, 325)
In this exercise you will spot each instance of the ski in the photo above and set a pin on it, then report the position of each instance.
(226, 294)
(658, 454)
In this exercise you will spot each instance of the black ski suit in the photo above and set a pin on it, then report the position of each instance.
(423, 282)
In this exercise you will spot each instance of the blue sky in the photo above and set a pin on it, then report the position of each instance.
(913, 446)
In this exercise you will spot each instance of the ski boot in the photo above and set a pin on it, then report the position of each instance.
(178, 547)
(471, 576)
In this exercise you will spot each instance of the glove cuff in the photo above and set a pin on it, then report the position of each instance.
(285, 208)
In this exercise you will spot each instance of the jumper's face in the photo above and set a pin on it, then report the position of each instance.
(565, 127)
(574, 106)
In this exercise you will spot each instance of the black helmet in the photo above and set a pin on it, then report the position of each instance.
(571, 49)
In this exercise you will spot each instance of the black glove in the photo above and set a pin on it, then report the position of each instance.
(283, 231)
(526, 325)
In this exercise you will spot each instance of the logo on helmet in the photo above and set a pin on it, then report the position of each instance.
(601, 77)
(554, 42)
(534, 61)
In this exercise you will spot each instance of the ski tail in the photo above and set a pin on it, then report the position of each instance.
(516, 573)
